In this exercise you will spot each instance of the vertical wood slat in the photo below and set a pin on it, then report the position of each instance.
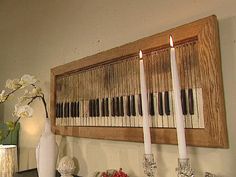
(205, 32)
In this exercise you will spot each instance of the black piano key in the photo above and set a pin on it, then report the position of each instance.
(68, 110)
(113, 107)
(151, 104)
(61, 110)
(97, 108)
(167, 103)
(160, 104)
(140, 111)
(117, 106)
(183, 102)
(78, 110)
(103, 108)
(121, 106)
(190, 101)
(133, 111)
(107, 107)
(128, 106)
(72, 109)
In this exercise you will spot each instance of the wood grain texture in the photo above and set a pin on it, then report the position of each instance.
(205, 31)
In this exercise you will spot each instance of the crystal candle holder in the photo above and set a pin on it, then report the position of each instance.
(184, 169)
(149, 165)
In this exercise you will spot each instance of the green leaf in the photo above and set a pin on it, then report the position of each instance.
(10, 125)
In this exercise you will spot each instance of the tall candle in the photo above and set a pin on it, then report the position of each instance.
(177, 104)
(146, 128)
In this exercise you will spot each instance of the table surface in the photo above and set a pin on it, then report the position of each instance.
(32, 173)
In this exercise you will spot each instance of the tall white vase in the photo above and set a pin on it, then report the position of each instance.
(46, 152)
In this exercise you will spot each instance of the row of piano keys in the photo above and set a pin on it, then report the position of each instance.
(97, 91)
(126, 111)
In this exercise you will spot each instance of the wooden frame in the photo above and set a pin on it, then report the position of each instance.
(215, 132)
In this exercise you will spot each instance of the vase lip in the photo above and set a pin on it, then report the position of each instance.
(7, 146)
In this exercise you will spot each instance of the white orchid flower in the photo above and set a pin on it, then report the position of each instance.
(2, 96)
(23, 111)
(13, 84)
(27, 80)
(36, 91)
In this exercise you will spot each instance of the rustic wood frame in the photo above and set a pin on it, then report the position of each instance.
(215, 132)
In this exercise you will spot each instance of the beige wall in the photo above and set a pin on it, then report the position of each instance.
(38, 35)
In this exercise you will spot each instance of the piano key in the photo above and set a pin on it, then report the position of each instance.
(78, 114)
(93, 108)
(151, 105)
(91, 112)
(119, 101)
(190, 101)
(137, 117)
(128, 106)
(160, 104)
(159, 109)
(103, 108)
(133, 111)
(71, 109)
(113, 118)
(125, 118)
(109, 118)
(68, 114)
(97, 106)
(86, 113)
(121, 107)
(113, 110)
(64, 110)
(117, 106)
(199, 105)
(96, 122)
(183, 102)
(140, 106)
(167, 103)
(165, 118)
(90, 108)
(100, 121)
(93, 119)
(107, 107)
(156, 114)
(171, 115)
(188, 118)
(195, 116)
(107, 113)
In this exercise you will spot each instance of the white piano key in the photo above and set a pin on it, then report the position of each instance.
(100, 121)
(171, 116)
(188, 117)
(124, 118)
(195, 116)
(200, 107)
(137, 117)
(110, 117)
(164, 117)
(155, 118)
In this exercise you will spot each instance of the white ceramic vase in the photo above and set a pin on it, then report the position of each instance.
(46, 152)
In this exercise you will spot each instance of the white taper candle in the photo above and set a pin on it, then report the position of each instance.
(146, 119)
(177, 104)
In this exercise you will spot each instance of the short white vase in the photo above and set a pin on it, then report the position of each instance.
(46, 152)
